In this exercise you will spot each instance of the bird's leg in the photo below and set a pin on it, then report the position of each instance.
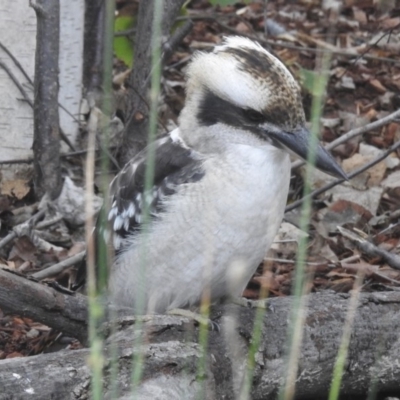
(212, 326)
(243, 302)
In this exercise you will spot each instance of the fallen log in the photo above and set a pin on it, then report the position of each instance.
(170, 356)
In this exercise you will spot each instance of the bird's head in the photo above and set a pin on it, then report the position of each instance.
(240, 88)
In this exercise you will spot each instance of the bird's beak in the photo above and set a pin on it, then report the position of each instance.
(298, 142)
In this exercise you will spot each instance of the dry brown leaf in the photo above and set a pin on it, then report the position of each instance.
(376, 174)
(339, 274)
(360, 15)
(76, 248)
(241, 27)
(343, 285)
(390, 23)
(344, 212)
(391, 133)
(18, 188)
(24, 250)
(372, 177)
(365, 268)
(7, 264)
(267, 280)
(371, 114)
(18, 321)
(390, 272)
(377, 85)
(392, 181)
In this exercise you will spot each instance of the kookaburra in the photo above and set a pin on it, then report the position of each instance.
(220, 184)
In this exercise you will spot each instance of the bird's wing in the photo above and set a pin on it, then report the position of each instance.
(175, 164)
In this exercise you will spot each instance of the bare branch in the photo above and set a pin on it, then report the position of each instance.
(59, 267)
(370, 249)
(64, 137)
(16, 83)
(279, 43)
(176, 39)
(25, 226)
(16, 62)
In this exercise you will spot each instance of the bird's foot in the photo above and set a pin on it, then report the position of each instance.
(243, 302)
(200, 319)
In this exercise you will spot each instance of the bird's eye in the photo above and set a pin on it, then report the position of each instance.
(254, 116)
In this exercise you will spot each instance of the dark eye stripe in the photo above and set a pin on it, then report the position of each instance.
(213, 110)
(254, 116)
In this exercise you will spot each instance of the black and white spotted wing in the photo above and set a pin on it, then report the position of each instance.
(175, 164)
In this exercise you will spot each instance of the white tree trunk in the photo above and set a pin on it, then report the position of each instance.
(71, 63)
(18, 34)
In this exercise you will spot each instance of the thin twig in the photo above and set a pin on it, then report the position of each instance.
(17, 63)
(25, 225)
(368, 248)
(182, 61)
(337, 52)
(66, 140)
(386, 278)
(269, 42)
(175, 40)
(358, 171)
(127, 32)
(59, 267)
(65, 155)
(43, 245)
(363, 53)
(11, 236)
(389, 228)
(49, 222)
(16, 83)
(106, 152)
(64, 137)
(351, 259)
(27, 77)
(308, 263)
(132, 113)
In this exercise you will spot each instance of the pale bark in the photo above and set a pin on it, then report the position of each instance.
(16, 117)
(71, 66)
(17, 53)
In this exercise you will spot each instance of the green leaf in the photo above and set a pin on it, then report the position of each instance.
(182, 13)
(123, 45)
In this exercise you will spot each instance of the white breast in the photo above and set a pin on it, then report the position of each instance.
(214, 235)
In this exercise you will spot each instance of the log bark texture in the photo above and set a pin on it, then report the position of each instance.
(171, 354)
(60, 311)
